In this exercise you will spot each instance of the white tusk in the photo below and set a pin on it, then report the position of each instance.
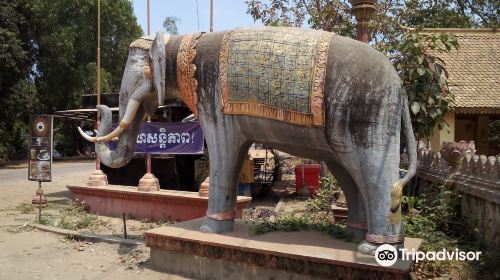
(114, 134)
(132, 107)
(111, 136)
(87, 137)
(131, 110)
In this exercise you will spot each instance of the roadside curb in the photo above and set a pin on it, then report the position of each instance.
(89, 236)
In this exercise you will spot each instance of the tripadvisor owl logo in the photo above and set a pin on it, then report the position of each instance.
(386, 255)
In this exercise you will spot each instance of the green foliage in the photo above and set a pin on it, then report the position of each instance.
(16, 50)
(18, 96)
(65, 32)
(434, 219)
(451, 13)
(295, 222)
(317, 216)
(88, 82)
(424, 77)
(65, 35)
(438, 222)
(327, 15)
(47, 61)
(327, 194)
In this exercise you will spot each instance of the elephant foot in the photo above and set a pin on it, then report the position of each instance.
(214, 226)
(206, 229)
(368, 248)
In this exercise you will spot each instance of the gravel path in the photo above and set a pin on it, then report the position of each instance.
(26, 253)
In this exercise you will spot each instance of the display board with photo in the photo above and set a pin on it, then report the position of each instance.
(40, 152)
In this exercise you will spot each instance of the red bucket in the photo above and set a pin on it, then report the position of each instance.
(312, 173)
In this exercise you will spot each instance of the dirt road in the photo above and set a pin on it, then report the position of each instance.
(26, 253)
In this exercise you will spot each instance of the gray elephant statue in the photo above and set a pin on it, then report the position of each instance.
(310, 93)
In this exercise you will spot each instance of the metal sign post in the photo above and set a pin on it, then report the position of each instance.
(40, 193)
(40, 156)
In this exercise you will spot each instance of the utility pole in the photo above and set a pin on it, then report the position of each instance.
(211, 15)
(148, 18)
(98, 178)
(148, 182)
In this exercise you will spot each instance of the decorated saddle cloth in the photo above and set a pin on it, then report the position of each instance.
(276, 73)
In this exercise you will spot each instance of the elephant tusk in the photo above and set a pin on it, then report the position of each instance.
(85, 136)
(124, 124)
(111, 136)
(114, 134)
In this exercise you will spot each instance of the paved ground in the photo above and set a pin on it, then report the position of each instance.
(26, 253)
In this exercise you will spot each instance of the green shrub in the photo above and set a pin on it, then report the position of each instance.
(327, 194)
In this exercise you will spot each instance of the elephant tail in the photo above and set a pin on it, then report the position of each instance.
(411, 149)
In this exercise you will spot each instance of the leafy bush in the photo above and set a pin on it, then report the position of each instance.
(431, 217)
(327, 194)
(295, 222)
(438, 222)
(318, 215)
(424, 77)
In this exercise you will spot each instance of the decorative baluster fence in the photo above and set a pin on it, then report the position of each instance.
(477, 177)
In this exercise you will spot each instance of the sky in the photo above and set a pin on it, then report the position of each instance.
(228, 14)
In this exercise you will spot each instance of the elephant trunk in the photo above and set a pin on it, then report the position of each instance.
(126, 132)
(126, 142)
(133, 104)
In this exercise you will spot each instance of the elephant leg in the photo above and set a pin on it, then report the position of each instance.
(227, 154)
(379, 171)
(356, 219)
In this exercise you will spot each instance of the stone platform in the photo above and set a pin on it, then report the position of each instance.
(114, 200)
(182, 249)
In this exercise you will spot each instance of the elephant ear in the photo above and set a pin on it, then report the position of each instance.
(158, 64)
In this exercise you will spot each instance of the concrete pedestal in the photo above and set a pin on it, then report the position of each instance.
(148, 183)
(182, 249)
(39, 200)
(97, 178)
(159, 205)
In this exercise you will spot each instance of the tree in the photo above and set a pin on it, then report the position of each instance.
(18, 97)
(65, 34)
(326, 15)
(414, 54)
(65, 38)
(170, 25)
(424, 78)
(451, 13)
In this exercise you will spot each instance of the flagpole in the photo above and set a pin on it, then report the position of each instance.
(211, 15)
(98, 178)
(148, 18)
(148, 182)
